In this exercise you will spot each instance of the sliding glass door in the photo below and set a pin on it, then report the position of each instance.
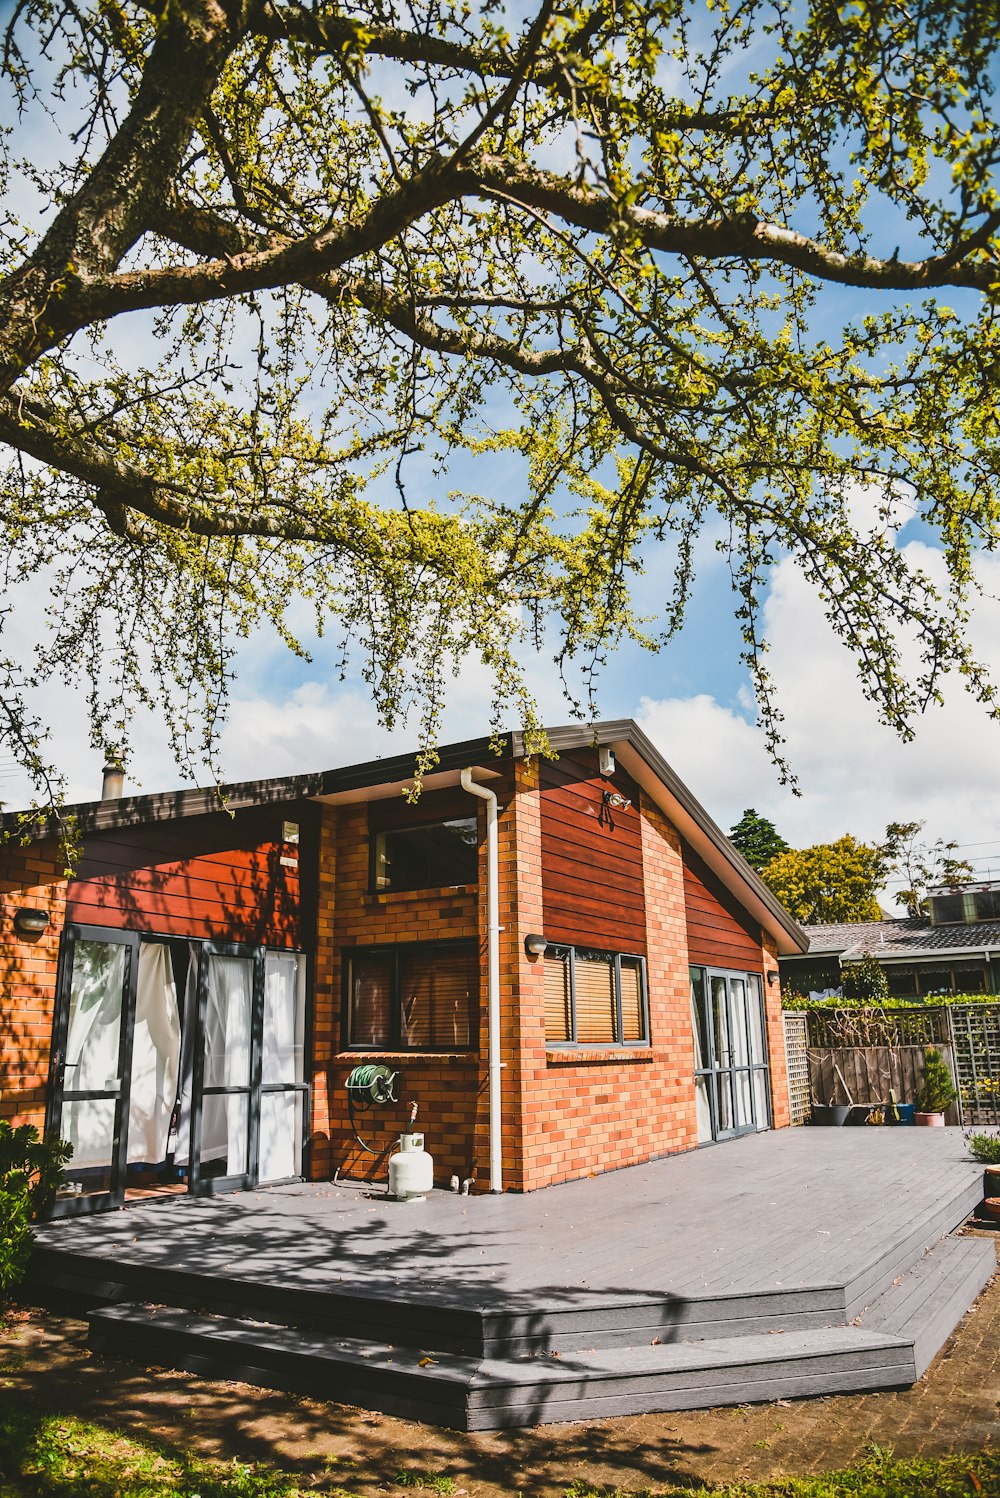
(176, 1066)
(248, 1081)
(91, 1057)
(731, 1076)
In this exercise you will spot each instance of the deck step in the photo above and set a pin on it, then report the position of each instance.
(493, 1393)
(926, 1304)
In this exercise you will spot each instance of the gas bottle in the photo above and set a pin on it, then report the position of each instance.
(411, 1170)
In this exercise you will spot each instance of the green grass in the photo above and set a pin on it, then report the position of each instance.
(878, 1476)
(58, 1456)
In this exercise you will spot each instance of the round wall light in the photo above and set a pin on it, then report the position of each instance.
(30, 922)
(535, 945)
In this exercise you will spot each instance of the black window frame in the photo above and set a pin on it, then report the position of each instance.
(397, 950)
(375, 833)
(560, 949)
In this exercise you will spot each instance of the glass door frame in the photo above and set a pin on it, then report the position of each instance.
(200, 1184)
(59, 1093)
(715, 1073)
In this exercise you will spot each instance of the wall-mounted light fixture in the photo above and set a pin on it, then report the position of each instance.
(30, 922)
(772, 976)
(535, 945)
(616, 801)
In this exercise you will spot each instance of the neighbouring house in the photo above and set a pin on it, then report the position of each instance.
(565, 960)
(954, 948)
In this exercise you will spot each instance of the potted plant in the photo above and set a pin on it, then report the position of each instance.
(938, 1091)
(985, 1147)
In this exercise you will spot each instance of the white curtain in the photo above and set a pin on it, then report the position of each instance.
(183, 1150)
(93, 1049)
(280, 1152)
(225, 1119)
(156, 1047)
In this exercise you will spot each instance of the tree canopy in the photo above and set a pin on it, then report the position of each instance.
(830, 882)
(757, 839)
(921, 865)
(686, 268)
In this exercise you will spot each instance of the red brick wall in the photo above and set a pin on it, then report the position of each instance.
(584, 1113)
(450, 1090)
(31, 877)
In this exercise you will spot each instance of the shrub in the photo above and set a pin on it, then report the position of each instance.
(984, 1147)
(864, 981)
(938, 1091)
(30, 1169)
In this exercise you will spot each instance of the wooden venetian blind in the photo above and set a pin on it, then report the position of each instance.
(633, 1019)
(371, 1001)
(439, 997)
(558, 1009)
(596, 1011)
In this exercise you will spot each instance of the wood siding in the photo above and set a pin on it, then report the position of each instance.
(720, 932)
(221, 877)
(592, 880)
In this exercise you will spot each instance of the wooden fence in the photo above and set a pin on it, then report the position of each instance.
(860, 1055)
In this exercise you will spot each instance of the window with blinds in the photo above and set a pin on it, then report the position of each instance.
(419, 997)
(594, 998)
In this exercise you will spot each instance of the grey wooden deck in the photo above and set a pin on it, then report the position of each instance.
(798, 1231)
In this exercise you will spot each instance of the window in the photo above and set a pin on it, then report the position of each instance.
(426, 857)
(987, 903)
(594, 998)
(902, 982)
(422, 997)
(947, 909)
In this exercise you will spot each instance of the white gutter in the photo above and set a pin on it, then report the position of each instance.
(492, 970)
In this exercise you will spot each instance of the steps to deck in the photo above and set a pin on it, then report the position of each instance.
(891, 1347)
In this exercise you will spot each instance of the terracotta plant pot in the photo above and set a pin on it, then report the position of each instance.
(929, 1120)
(991, 1207)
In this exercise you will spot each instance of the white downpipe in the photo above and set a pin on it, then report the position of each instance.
(492, 970)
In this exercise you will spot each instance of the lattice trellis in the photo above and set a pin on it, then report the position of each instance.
(797, 1063)
(831, 1028)
(976, 1039)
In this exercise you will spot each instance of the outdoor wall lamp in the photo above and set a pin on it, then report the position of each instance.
(30, 922)
(616, 801)
(772, 976)
(535, 945)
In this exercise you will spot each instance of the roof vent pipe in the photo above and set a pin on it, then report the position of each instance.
(492, 969)
(114, 783)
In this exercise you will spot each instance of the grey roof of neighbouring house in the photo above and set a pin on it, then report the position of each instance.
(900, 938)
(638, 755)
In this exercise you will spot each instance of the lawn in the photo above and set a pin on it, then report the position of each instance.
(45, 1455)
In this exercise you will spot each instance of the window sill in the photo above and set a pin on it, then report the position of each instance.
(449, 1058)
(585, 1055)
(439, 892)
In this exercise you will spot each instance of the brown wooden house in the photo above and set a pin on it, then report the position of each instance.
(565, 963)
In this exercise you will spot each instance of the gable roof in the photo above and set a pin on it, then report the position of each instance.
(901, 938)
(379, 778)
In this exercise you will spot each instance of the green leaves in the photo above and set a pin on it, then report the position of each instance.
(590, 272)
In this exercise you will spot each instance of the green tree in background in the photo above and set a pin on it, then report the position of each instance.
(271, 274)
(921, 865)
(829, 882)
(757, 839)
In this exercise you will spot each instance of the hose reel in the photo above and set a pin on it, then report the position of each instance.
(372, 1084)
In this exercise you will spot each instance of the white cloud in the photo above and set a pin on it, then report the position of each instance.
(855, 774)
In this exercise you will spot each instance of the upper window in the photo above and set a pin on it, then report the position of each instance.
(594, 998)
(427, 856)
(987, 904)
(421, 997)
(947, 910)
